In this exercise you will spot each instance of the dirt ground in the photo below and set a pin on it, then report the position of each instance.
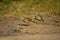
(33, 37)
(12, 29)
(36, 32)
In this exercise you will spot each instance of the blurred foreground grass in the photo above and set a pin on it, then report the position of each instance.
(52, 6)
(19, 8)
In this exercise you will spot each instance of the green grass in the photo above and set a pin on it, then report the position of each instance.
(19, 8)
(39, 5)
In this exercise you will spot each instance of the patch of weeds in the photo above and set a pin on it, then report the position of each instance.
(6, 1)
(16, 16)
(2, 14)
(9, 1)
(18, 0)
